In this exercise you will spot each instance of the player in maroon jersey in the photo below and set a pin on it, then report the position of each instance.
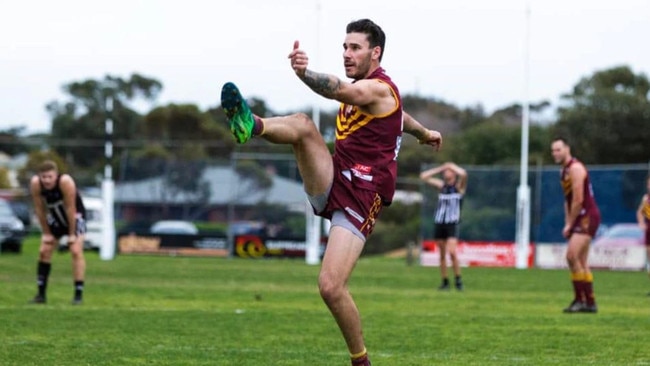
(581, 220)
(351, 187)
(643, 218)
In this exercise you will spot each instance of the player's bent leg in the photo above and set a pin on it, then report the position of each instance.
(452, 244)
(78, 269)
(45, 251)
(343, 250)
(43, 269)
(577, 247)
(78, 261)
(588, 278)
(451, 249)
(312, 155)
(574, 248)
(648, 261)
(444, 279)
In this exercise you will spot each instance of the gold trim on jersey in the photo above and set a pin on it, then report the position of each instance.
(369, 223)
(350, 118)
(646, 209)
(566, 185)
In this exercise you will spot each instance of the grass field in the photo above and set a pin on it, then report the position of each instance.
(143, 310)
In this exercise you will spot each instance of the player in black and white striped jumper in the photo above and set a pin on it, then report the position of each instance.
(60, 213)
(451, 189)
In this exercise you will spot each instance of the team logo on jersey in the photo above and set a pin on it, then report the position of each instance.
(362, 172)
(350, 119)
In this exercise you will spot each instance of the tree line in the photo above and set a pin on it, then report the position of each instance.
(605, 116)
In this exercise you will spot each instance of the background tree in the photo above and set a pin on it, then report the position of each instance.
(253, 177)
(34, 161)
(11, 142)
(399, 224)
(5, 183)
(606, 117)
(78, 125)
(147, 162)
(494, 143)
(187, 132)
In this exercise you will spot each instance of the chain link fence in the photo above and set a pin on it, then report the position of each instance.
(489, 205)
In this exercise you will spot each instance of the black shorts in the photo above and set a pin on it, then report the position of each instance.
(60, 231)
(446, 231)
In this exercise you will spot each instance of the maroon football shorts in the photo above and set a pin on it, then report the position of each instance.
(586, 223)
(360, 206)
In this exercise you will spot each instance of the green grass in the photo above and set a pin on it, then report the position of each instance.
(142, 310)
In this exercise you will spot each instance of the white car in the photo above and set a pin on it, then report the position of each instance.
(174, 227)
(94, 210)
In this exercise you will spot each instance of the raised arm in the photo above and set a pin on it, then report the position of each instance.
(361, 93)
(428, 176)
(461, 183)
(424, 135)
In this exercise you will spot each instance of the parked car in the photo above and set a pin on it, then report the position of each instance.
(625, 234)
(246, 227)
(22, 211)
(137, 227)
(94, 210)
(12, 229)
(174, 227)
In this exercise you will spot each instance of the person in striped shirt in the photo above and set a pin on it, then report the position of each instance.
(451, 190)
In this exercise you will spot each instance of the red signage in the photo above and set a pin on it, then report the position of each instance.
(476, 253)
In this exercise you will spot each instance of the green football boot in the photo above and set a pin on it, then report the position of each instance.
(239, 114)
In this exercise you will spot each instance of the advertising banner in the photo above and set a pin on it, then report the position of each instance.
(475, 253)
(173, 244)
(600, 257)
(255, 246)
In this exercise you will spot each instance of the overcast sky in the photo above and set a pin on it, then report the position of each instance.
(464, 52)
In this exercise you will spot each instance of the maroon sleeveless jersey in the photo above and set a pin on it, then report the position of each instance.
(589, 206)
(367, 145)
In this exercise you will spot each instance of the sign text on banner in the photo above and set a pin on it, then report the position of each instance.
(475, 253)
(600, 257)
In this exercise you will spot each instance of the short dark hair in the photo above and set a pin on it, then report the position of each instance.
(376, 36)
(563, 139)
(46, 166)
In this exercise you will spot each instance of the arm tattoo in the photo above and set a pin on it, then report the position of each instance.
(322, 84)
(409, 128)
(419, 135)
